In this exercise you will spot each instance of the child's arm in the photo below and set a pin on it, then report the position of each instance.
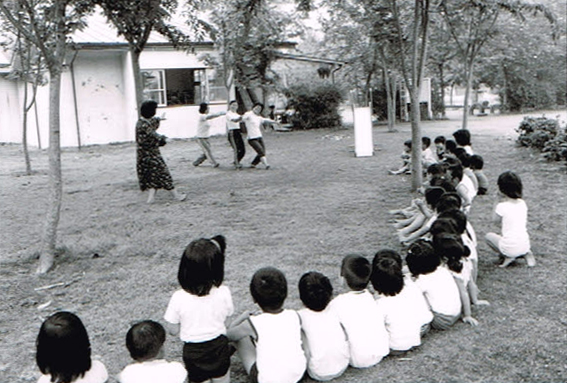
(215, 115)
(427, 212)
(473, 293)
(172, 328)
(466, 302)
(424, 229)
(463, 193)
(241, 328)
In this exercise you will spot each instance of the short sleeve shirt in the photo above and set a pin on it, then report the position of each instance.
(97, 374)
(153, 371)
(253, 124)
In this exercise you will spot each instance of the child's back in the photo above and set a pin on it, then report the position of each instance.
(364, 325)
(152, 371)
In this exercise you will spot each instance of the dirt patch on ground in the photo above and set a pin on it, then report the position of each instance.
(119, 256)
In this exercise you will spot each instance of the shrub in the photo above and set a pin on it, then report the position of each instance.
(316, 107)
(556, 149)
(536, 131)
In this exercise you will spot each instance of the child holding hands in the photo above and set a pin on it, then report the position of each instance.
(269, 344)
(198, 311)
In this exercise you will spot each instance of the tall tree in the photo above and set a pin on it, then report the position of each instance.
(135, 20)
(46, 25)
(472, 23)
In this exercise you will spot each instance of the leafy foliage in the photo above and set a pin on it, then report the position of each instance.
(545, 135)
(314, 108)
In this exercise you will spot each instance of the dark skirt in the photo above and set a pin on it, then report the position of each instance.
(207, 360)
(152, 170)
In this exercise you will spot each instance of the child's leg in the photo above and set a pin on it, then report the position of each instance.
(232, 141)
(247, 352)
(152, 195)
(418, 221)
(206, 146)
(402, 223)
(493, 239)
(258, 147)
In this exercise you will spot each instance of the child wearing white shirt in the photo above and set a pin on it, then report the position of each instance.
(324, 339)
(145, 342)
(254, 121)
(360, 317)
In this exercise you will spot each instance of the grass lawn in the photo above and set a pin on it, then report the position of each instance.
(119, 256)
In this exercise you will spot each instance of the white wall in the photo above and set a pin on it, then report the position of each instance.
(10, 125)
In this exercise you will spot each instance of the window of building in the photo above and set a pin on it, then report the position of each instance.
(184, 86)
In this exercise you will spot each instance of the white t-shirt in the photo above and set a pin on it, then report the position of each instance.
(441, 291)
(153, 371)
(200, 318)
(97, 374)
(364, 325)
(428, 158)
(253, 124)
(203, 126)
(466, 273)
(515, 239)
(279, 355)
(404, 314)
(328, 354)
(230, 123)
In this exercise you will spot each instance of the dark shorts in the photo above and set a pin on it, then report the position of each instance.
(206, 360)
(254, 373)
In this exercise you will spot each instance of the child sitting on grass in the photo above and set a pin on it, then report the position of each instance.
(463, 139)
(145, 342)
(406, 314)
(269, 344)
(439, 142)
(63, 352)
(512, 213)
(427, 156)
(324, 340)
(420, 226)
(436, 283)
(476, 164)
(463, 185)
(406, 160)
(449, 247)
(361, 319)
(465, 160)
(198, 311)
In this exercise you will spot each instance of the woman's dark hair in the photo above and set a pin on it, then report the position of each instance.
(63, 348)
(450, 146)
(202, 265)
(203, 107)
(148, 108)
(421, 258)
(462, 137)
(450, 248)
(315, 290)
(476, 162)
(144, 340)
(269, 288)
(387, 277)
(356, 270)
(510, 184)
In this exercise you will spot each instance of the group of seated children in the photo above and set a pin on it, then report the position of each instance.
(356, 328)
(453, 169)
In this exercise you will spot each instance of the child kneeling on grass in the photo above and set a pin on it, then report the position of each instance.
(324, 339)
(361, 319)
(145, 342)
(512, 212)
(269, 344)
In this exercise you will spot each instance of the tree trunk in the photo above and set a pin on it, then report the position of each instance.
(442, 86)
(391, 101)
(47, 256)
(25, 131)
(416, 172)
(138, 84)
(469, 74)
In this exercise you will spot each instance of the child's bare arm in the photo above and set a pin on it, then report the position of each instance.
(466, 302)
(243, 329)
(473, 293)
(172, 328)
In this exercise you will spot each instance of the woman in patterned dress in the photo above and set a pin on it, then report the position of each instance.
(153, 173)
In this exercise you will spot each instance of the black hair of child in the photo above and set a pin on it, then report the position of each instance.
(438, 169)
(202, 265)
(510, 184)
(148, 108)
(476, 162)
(463, 156)
(426, 141)
(387, 277)
(462, 137)
(144, 340)
(450, 247)
(268, 288)
(63, 348)
(455, 171)
(439, 139)
(458, 216)
(407, 143)
(433, 194)
(450, 146)
(315, 290)
(448, 201)
(258, 104)
(421, 258)
(203, 107)
(356, 270)
(443, 225)
(443, 183)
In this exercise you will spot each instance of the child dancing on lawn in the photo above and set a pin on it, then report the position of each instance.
(512, 213)
(198, 311)
(64, 352)
(254, 121)
(324, 339)
(234, 134)
(145, 342)
(203, 133)
(269, 344)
